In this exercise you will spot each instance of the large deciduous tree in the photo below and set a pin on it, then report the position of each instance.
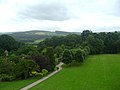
(58, 51)
(24, 68)
(67, 57)
(79, 55)
(6, 66)
(43, 62)
(8, 43)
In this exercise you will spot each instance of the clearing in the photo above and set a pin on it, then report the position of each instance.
(98, 72)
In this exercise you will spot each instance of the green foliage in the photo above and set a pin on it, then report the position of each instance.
(34, 73)
(44, 71)
(8, 43)
(85, 34)
(27, 50)
(58, 51)
(79, 57)
(67, 56)
(87, 50)
(14, 58)
(109, 42)
(6, 77)
(98, 43)
(99, 72)
(84, 53)
(1, 52)
(43, 62)
(24, 68)
(117, 46)
(69, 41)
(6, 67)
(49, 52)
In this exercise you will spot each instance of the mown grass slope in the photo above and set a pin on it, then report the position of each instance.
(16, 85)
(98, 72)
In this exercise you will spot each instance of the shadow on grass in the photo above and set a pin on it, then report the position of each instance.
(73, 64)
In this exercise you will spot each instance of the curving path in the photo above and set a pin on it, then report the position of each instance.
(44, 78)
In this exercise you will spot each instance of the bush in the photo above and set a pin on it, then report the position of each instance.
(6, 67)
(24, 68)
(34, 73)
(44, 71)
(14, 58)
(43, 62)
(79, 56)
(6, 77)
(67, 57)
(84, 54)
(40, 74)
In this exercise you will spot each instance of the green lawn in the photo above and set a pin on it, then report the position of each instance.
(99, 72)
(16, 85)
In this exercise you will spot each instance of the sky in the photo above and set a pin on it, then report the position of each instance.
(60, 15)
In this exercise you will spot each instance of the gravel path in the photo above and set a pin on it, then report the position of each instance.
(44, 78)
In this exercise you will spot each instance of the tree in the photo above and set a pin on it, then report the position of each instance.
(79, 56)
(96, 45)
(14, 58)
(67, 57)
(1, 52)
(87, 50)
(8, 43)
(58, 51)
(49, 52)
(6, 67)
(27, 50)
(85, 34)
(117, 46)
(110, 40)
(24, 68)
(91, 41)
(43, 62)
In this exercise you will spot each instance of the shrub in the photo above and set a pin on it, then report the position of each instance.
(6, 77)
(79, 56)
(14, 58)
(44, 71)
(40, 74)
(67, 57)
(84, 54)
(43, 62)
(6, 67)
(24, 68)
(34, 73)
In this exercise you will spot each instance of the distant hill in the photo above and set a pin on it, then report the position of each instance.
(37, 35)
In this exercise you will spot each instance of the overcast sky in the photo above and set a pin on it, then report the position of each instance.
(64, 15)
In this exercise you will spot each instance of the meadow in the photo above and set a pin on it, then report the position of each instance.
(18, 84)
(98, 72)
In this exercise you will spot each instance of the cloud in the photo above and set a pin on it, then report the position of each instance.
(47, 11)
(67, 15)
(113, 8)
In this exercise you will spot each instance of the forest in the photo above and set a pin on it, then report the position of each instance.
(20, 61)
(99, 43)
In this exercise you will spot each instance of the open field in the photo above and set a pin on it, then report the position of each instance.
(98, 72)
(16, 85)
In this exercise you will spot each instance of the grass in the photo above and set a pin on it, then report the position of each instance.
(98, 72)
(16, 85)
